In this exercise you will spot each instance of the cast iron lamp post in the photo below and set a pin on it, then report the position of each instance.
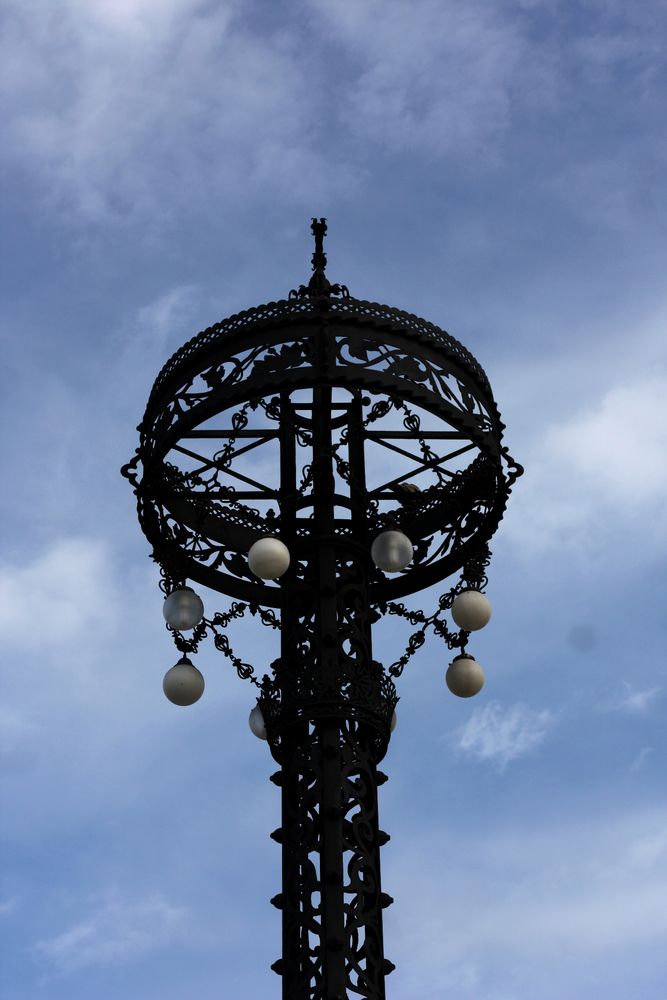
(258, 476)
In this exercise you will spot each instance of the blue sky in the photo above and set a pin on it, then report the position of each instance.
(497, 167)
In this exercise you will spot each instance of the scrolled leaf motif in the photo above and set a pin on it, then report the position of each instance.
(306, 478)
(421, 550)
(227, 372)
(342, 467)
(353, 349)
(409, 368)
(304, 437)
(236, 564)
(357, 350)
(277, 360)
(467, 398)
(396, 362)
(470, 523)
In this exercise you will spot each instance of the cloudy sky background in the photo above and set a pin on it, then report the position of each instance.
(497, 167)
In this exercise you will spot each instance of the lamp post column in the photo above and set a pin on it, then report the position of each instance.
(331, 900)
(322, 370)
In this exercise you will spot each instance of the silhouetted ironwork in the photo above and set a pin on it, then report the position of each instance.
(281, 421)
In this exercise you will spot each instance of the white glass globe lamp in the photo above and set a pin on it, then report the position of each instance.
(269, 558)
(392, 551)
(465, 677)
(256, 723)
(183, 684)
(471, 610)
(393, 723)
(183, 609)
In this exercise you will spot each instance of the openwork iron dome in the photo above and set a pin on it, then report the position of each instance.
(316, 460)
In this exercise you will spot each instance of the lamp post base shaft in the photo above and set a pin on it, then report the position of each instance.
(331, 898)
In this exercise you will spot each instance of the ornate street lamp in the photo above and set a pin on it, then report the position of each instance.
(263, 474)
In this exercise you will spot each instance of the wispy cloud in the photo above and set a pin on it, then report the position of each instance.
(432, 76)
(633, 700)
(500, 735)
(640, 759)
(116, 931)
(146, 339)
(453, 81)
(126, 110)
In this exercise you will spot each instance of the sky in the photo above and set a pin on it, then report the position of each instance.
(497, 167)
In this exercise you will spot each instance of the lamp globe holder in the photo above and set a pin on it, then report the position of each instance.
(183, 609)
(471, 610)
(269, 558)
(183, 684)
(464, 677)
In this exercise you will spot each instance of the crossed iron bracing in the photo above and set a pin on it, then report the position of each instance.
(317, 459)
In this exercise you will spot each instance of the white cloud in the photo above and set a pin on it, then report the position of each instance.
(615, 446)
(596, 477)
(501, 735)
(131, 17)
(118, 930)
(493, 914)
(57, 597)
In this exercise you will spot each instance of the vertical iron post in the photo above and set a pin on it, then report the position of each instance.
(331, 901)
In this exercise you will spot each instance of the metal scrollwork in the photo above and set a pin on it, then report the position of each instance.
(323, 420)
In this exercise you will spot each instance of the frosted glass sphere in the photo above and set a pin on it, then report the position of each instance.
(471, 610)
(465, 677)
(392, 551)
(183, 609)
(183, 684)
(268, 558)
(393, 723)
(256, 723)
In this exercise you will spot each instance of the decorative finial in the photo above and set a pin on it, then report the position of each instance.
(319, 285)
(318, 228)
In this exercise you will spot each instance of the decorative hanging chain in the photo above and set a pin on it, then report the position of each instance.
(473, 577)
(220, 621)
